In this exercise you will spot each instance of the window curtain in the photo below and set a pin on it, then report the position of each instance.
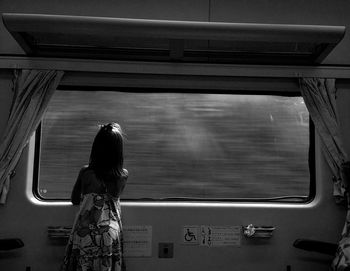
(32, 90)
(320, 98)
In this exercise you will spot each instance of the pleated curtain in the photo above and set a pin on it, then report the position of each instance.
(320, 98)
(32, 90)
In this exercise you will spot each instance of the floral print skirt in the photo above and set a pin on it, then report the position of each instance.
(95, 243)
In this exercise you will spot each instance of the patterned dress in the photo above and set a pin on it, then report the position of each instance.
(95, 243)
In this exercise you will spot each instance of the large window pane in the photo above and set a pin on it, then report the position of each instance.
(182, 144)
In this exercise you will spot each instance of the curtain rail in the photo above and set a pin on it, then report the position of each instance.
(167, 68)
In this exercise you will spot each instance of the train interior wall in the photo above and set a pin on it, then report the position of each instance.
(25, 218)
(322, 219)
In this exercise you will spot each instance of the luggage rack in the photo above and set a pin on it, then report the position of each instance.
(85, 37)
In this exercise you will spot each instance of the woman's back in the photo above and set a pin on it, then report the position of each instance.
(88, 182)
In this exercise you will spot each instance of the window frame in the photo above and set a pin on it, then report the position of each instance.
(280, 200)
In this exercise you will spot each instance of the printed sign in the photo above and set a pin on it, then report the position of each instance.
(215, 236)
(137, 241)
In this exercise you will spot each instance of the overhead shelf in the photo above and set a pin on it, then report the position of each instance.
(164, 40)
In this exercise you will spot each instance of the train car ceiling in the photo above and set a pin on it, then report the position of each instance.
(175, 41)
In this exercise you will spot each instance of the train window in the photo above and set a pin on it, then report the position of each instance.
(180, 146)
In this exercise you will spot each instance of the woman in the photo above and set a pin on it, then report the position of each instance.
(95, 243)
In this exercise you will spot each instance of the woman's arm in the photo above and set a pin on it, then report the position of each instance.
(77, 190)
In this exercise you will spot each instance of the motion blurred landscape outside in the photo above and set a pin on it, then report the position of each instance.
(182, 144)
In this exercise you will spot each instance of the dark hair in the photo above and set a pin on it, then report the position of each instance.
(106, 157)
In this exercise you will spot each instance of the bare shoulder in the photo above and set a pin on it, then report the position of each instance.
(82, 173)
(83, 169)
(88, 177)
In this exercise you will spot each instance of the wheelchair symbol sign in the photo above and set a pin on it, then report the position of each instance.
(190, 235)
